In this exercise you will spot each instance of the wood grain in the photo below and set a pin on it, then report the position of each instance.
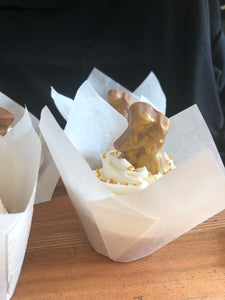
(61, 264)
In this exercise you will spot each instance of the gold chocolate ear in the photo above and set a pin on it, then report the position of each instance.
(121, 101)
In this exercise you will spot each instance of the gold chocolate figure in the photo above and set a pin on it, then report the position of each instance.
(142, 142)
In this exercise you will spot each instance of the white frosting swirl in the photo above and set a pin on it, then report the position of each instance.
(121, 177)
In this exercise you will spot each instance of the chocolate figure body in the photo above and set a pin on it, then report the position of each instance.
(142, 142)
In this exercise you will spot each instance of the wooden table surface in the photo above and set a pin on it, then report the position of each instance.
(61, 264)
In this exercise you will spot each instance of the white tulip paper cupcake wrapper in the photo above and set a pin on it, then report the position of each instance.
(19, 160)
(48, 174)
(129, 227)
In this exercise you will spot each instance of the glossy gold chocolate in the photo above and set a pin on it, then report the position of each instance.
(141, 144)
(6, 119)
(121, 101)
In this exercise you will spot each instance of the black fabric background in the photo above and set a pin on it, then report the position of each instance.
(44, 43)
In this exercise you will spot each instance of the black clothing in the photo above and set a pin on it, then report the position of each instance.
(57, 43)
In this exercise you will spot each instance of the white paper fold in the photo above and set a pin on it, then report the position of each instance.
(190, 194)
(87, 189)
(19, 160)
(189, 135)
(63, 103)
(149, 91)
(48, 174)
(98, 114)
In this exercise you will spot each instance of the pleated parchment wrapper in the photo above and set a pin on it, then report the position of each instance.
(129, 227)
(48, 174)
(20, 153)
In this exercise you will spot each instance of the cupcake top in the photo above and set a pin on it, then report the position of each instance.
(121, 177)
